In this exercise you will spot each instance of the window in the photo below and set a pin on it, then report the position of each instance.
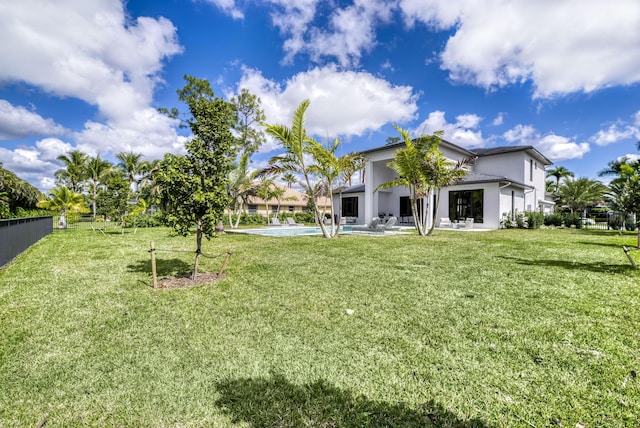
(291, 208)
(530, 169)
(253, 209)
(405, 206)
(467, 204)
(274, 209)
(350, 206)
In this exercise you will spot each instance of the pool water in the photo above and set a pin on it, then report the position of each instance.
(288, 231)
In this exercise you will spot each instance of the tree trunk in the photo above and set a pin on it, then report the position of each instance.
(433, 223)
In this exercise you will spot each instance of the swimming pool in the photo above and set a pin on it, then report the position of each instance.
(288, 231)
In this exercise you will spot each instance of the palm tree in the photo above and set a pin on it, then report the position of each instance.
(331, 169)
(442, 172)
(74, 171)
(64, 200)
(131, 165)
(290, 179)
(559, 173)
(295, 142)
(580, 193)
(408, 164)
(240, 187)
(96, 170)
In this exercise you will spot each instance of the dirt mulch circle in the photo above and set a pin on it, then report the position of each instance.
(184, 281)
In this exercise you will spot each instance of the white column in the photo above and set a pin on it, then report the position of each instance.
(368, 192)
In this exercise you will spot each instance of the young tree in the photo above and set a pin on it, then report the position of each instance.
(64, 200)
(194, 186)
(248, 116)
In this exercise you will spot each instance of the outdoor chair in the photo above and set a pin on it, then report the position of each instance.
(468, 223)
(275, 222)
(445, 222)
(292, 222)
(391, 224)
(373, 226)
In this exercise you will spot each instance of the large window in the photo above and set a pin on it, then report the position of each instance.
(466, 204)
(405, 206)
(350, 206)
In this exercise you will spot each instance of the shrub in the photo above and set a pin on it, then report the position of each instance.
(534, 219)
(572, 220)
(554, 219)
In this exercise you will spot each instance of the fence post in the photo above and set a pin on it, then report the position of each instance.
(153, 265)
(633, 263)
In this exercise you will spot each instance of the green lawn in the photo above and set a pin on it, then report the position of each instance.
(504, 328)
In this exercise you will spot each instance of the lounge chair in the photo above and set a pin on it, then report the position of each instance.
(445, 222)
(373, 226)
(292, 222)
(275, 222)
(391, 224)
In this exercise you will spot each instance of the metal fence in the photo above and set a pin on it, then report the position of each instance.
(18, 234)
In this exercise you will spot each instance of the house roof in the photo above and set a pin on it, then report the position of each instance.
(358, 188)
(292, 197)
(477, 177)
(480, 152)
(511, 149)
(443, 143)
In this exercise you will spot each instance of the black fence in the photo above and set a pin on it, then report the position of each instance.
(18, 234)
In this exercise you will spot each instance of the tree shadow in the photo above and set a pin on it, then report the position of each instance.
(164, 267)
(608, 245)
(275, 402)
(593, 266)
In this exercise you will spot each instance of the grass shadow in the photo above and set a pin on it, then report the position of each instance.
(275, 402)
(593, 266)
(164, 267)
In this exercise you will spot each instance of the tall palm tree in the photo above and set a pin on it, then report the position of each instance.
(442, 172)
(408, 165)
(331, 169)
(97, 169)
(559, 172)
(295, 142)
(131, 165)
(74, 171)
(579, 193)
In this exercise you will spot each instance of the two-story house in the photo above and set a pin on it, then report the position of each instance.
(502, 180)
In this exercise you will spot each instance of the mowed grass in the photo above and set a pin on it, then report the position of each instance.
(503, 328)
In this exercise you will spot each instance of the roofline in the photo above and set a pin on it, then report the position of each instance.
(444, 142)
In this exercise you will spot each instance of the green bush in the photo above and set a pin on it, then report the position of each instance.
(554, 219)
(534, 219)
(572, 220)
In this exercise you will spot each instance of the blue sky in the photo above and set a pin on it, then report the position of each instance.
(562, 76)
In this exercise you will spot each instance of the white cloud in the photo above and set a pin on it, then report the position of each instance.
(93, 52)
(561, 47)
(228, 7)
(18, 122)
(499, 120)
(350, 31)
(636, 119)
(463, 132)
(343, 103)
(615, 133)
(555, 147)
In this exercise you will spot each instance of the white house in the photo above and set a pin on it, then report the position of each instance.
(503, 180)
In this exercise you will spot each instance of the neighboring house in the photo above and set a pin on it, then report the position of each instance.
(292, 202)
(503, 180)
